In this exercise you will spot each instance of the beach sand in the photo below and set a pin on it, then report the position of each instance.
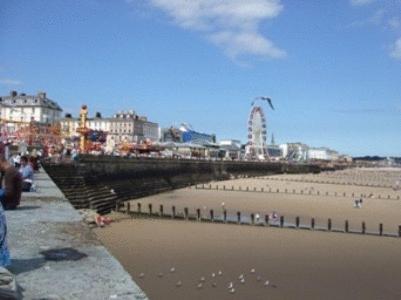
(299, 264)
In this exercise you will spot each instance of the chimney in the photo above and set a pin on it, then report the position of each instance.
(42, 95)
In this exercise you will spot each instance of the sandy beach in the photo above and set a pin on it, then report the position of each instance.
(321, 207)
(297, 264)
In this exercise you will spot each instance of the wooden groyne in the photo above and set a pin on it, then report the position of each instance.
(267, 220)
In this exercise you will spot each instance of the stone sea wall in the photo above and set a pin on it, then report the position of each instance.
(100, 182)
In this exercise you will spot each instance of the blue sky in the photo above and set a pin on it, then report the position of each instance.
(332, 68)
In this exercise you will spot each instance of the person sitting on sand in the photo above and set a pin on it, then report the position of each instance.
(10, 193)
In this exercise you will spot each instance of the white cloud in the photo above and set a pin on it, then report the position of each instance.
(396, 49)
(360, 2)
(232, 25)
(8, 81)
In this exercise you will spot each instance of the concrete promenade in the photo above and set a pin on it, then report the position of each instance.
(56, 256)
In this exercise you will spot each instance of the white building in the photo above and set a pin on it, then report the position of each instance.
(294, 151)
(18, 110)
(122, 127)
(231, 148)
(322, 153)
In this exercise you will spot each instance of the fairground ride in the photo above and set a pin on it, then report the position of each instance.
(257, 134)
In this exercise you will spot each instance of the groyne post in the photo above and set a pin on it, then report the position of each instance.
(297, 222)
(212, 215)
(128, 207)
(399, 230)
(238, 217)
(150, 208)
(161, 210)
(225, 216)
(118, 205)
(346, 226)
(312, 224)
(198, 214)
(267, 220)
(252, 218)
(363, 227)
(329, 224)
(381, 229)
(186, 215)
(173, 212)
(281, 221)
(139, 207)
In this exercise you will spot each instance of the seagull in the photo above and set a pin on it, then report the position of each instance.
(141, 275)
(172, 270)
(242, 280)
(213, 275)
(267, 282)
(252, 270)
(231, 285)
(267, 99)
(214, 284)
(232, 291)
(179, 283)
(220, 273)
(223, 204)
(202, 279)
(112, 191)
(200, 285)
(241, 276)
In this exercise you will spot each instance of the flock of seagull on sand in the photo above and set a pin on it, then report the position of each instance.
(230, 286)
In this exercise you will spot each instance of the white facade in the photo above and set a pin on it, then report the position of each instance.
(18, 110)
(318, 154)
(322, 154)
(235, 143)
(122, 127)
(151, 131)
(284, 149)
(294, 151)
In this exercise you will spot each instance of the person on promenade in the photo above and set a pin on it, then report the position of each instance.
(10, 193)
(4, 253)
(26, 171)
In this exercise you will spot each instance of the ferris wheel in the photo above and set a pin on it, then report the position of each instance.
(257, 133)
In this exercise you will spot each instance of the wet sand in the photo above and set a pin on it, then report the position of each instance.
(299, 264)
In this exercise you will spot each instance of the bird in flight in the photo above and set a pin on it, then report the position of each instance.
(267, 99)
